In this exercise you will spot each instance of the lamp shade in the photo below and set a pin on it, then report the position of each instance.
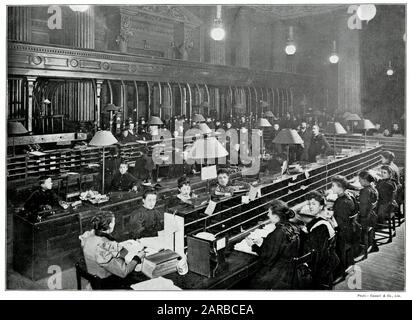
(346, 114)
(204, 104)
(288, 136)
(365, 124)
(263, 122)
(198, 118)
(264, 104)
(103, 138)
(335, 128)
(155, 121)
(15, 127)
(204, 128)
(111, 107)
(353, 117)
(209, 148)
(269, 114)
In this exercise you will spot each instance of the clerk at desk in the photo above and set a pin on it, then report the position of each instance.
(147, 220)
(43, 198)
(123, 180)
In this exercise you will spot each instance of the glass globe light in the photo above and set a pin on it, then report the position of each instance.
(218, 33)
(389, 72)
(334, 58)
(366, 12)
(79, 8)
(290, 49)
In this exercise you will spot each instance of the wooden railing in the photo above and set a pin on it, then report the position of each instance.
(396, 144)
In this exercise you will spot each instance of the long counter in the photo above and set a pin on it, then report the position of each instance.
(54, 241)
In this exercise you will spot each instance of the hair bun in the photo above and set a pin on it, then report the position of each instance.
(290, 214)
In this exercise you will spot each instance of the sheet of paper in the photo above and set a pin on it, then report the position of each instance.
(210, 208)
(208, 173)
(307, 174)
(245, 199)
(159, 283)
(294, 177)
(37, 153)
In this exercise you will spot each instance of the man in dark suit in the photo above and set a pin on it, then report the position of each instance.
(306, 135)
(318, 144)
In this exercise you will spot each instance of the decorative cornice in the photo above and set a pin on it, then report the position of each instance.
(53, 61)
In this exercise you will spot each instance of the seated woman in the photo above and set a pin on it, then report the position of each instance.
(123, 180)
(43, 198)
(277, 250)
(386, 187)
(368, 197)
(319, 229)
(224, 188)
(185, 195)
(105, 257)
(147, 220)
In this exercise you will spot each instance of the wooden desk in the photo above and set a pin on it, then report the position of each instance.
(54, 241)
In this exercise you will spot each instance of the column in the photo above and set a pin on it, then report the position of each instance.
(349, 81)
(279, 37)
(83, 33)
(98, 102)
(84, 37)
(243, 50)
(30, 86)
(19, 23)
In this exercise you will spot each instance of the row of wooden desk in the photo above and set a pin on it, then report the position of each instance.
(54, 241)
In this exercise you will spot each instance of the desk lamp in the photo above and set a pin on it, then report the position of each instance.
(204, 128)
(103, 138)
(15, 128)
(335, 128)
(209, 148)
(111, 108)
(365, 125)
(155, 121)
(198, 118)
(262, 123)
(269, 114)
(352, 118)
(288, 137)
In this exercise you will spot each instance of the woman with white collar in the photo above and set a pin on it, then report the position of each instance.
(319, 230)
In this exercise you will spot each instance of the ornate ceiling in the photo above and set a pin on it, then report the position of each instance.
(296, 11)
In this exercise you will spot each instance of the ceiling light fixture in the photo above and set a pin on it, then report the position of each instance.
(290, 48)
(334, 58)
(218, 33)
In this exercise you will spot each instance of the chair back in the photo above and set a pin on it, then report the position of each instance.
(95, 281)
(303, 267)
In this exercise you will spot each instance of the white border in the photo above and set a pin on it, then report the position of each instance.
(184, 295)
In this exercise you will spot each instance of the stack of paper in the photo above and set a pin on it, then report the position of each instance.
(159, 283)
(243, 247)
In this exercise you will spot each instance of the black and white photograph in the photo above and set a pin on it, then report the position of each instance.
(205, 146)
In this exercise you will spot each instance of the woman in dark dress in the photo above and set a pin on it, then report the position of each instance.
(319, 232)
(368, 197)
(277, 250)
(387, 193)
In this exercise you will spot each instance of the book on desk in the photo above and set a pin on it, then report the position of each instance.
(160, 263)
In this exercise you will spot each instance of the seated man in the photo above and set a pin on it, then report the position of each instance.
(127, 135)
(147, 221)
(43, 198)
(123, 180)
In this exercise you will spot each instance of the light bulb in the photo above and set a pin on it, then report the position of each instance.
(290, 49)
(79, 8)
(389, 72)
(217, 33)
(366, 12)
(334, 58)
